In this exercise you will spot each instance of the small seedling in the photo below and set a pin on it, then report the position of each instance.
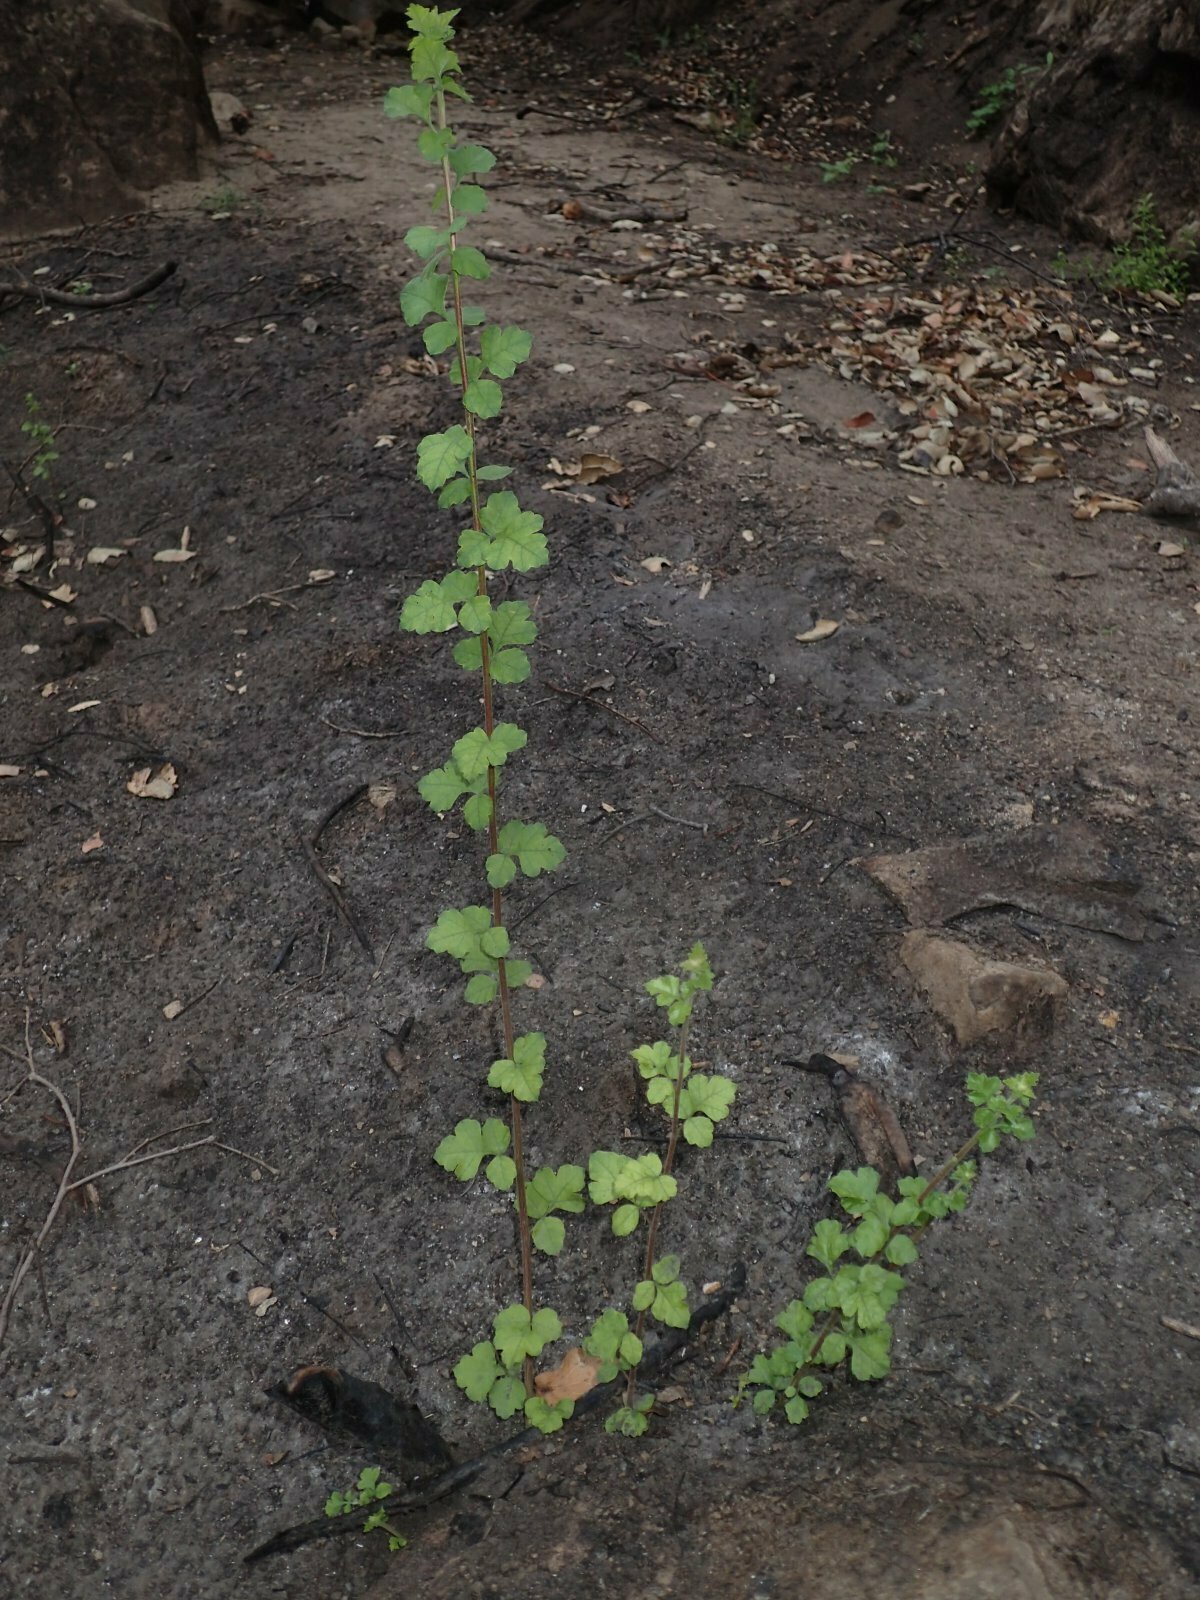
(996, 98)
(1146, 263)
(367, 1494)
(38, 430)
(835, 171)
(223, 202)
(853, 1300)
(882, 152)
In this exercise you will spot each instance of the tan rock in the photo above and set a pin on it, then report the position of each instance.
(977, 995)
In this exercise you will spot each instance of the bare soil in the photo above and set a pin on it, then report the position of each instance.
(997, 664)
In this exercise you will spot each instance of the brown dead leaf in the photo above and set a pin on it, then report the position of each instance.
(1109, 1019)
(571, 1379)
(654, 563)
(161, 786)
(64, 592)
(1090, 507)
(7, 771)
(173, 1009)
(381, 795)
(258, 1296)
(148, 620)
(1168, 547)
(101, 554)
(88, 845)
(55, 1033)
(864, 419)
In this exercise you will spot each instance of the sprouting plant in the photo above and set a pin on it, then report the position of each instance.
(38, 430)
(81, 286)
(1145, 262)
(835, 171)
(632, 1185)
(852, 1300)
(367, 1494)
(221, 202)
(500, 538)
(882, 152)
(995, 98)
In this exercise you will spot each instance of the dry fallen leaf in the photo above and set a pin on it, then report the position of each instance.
(321, 575)
(535, 980)
(64, 592)
(571, 1379)
(88, 845)
(824, 628)
(654, 563)
(99, 555)
(381, 795)
(1168, 547)
(148, 620)
(174, 555)
(56, 1032)
(864, 419)
(81, 705)
(1094, 504)
(1109, 1019)
(257, 1296)
(161, 786)
(173, 1009)
(638, 407)
(7, 771)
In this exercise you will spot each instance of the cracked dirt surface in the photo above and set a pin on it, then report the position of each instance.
(997, 665)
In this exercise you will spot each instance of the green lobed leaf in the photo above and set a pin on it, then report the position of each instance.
(553, 1188)
(431, 59)
(536, 850)
(901, 1251)
(476, 751)
(469, 200)
(463, 1151)
(869, 1358)
(711, 1095)
(470, 158)
(470, 263)
(457, 932)
(548, 1235)
(796, 1409)
(516, 538)
(604, 1166)
(431, 608)
(481, 990)
(828, 1242)
(856, 1189)
(442, 456)
(670, 1305)
(507, 1397)
(517, 1335)
(501, 1172)
(408, 100)
(477, 1372)
(519, 972)
(483, 398)
(491, 474)
(795, 1319)
(511, 624)
(545, 1417)
(522, 1076)
(665, 1269)
(439, 337)
(628, 1421)
(625, 1219)
(431, 22)
(698, 1131)
(474, 549)
(643, 1295)
(423, 296)
(656, 1060)
(503, 349)
(501, 870)
(510, 666)
(474, 614)
(468, 654)
(427, 242)
(477, 812)
(434, 143)
(442, 787)
(455, 492)
(494, 942)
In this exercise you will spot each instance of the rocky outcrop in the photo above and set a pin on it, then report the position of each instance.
(1115, 116)
(100, 100)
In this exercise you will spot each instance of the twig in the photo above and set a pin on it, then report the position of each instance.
(209, 1141)
(1188, 1329)
(335, 811)
(466, 1472)
(576, 694)
(97, 302)
(683, 822)
(334, 892)
(364, 733)
(65, 1186)
(153, 1138)
(271, 596)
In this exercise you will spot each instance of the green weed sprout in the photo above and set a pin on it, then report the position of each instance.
(1146, 263)
(367, 1493)
(995, 98)
(38, 430)
(845, 1313)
